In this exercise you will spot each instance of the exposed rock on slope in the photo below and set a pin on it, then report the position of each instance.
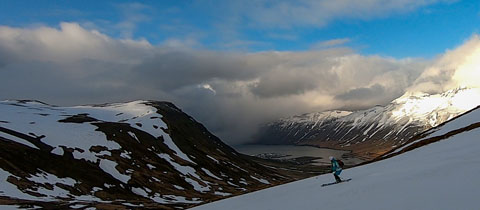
(139, 154)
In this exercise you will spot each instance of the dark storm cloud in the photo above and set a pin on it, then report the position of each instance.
(171, 70)
(277, 85)
(362, 93)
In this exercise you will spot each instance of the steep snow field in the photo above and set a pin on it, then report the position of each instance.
(441, 175)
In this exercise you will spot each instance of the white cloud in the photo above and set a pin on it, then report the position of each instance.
(285, 13)
(133, 14)
(71, 65)
(181, 43)
(208, 87)
(456, 68)
(68, 43)
(330, 43)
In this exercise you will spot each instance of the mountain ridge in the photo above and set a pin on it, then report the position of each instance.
(379, 128)
(143, 154)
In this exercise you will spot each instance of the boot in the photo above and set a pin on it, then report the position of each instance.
(337, 178)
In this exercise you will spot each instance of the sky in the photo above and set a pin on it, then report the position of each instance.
(402, 28)
(235, 65)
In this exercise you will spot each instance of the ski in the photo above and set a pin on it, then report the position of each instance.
(328, 184)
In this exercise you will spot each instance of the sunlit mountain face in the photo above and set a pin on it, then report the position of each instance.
(373, 131)
(446, 89)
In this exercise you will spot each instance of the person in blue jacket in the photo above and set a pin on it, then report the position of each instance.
(336, 169)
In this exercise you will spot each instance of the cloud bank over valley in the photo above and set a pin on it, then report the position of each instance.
(231, 92)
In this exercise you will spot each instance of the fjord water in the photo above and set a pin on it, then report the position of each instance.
(291, 151)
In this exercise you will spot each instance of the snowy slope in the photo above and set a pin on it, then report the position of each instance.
(389, 125)
(148, 152)
(440, 175)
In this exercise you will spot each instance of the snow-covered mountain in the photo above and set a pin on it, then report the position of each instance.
(375, 130)
(142, 154)
(438, 171)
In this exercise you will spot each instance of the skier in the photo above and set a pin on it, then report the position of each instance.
(336, 169)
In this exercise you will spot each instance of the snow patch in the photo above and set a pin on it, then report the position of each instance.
(216, 161)
(181, 199)
(126, 155)
(187, 170)
(211, 174)
(18, 140)
(264, 181)
(169, 142)
(10, 190)
(222, 193)
(140, 191)
(132, 134)
(44, 177)
(58, 151)
(178, 187)
(150, 166)
(108, 166)
(77, 206)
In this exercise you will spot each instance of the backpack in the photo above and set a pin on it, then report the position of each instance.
(340, 163)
